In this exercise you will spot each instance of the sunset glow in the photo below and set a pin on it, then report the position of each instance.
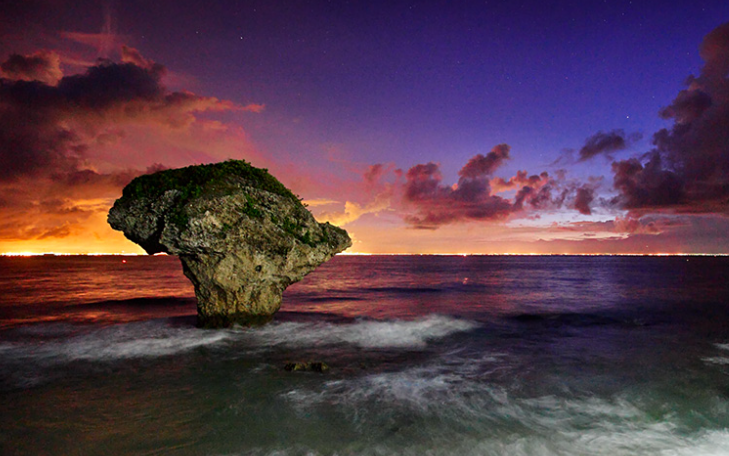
(421, 129)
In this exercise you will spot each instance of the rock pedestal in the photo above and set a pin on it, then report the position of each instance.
(242, 237)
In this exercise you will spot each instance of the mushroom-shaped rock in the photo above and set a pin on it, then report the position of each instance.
(241, 235)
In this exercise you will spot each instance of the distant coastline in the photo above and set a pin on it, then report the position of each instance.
(62, 254)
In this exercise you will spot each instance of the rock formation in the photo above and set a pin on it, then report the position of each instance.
(307, 366)
(241, 235)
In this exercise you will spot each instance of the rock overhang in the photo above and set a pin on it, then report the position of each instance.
(241, 235)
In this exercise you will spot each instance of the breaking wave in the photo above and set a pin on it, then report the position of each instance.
(133, 340)
(439, 410)
(363, 333)
(58, 343)
(652, 440)
(720, 360)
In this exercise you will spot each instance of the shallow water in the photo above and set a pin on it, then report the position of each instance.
(428, 355)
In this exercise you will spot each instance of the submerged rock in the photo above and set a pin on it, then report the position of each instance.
(241, 235)
(309, 366)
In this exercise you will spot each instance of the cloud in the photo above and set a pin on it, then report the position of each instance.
(353, 211)
(688, 169)
(622, 227)
(105, 41)
(646, 186)
(318, 202)
(65, 140)
(583, 198)
(521, 179)
(59, 204)
(51, 127)
(374, 183)
(481, 165)
(602, 143)
(472, 198)
(132, 55)
(374, 173)
(43, 66)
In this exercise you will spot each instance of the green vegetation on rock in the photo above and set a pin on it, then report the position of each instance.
(250, 208)
(215, 179)
(195, 181)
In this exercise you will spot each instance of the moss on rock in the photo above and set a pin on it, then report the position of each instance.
(212, 179)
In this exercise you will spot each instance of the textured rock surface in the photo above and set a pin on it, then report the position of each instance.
(307, 366)
(241, 235)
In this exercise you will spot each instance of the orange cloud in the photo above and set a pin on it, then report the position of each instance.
(353, 211)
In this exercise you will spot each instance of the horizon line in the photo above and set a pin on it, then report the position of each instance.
(41, 254)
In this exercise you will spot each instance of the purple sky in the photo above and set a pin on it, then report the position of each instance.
(377, 113)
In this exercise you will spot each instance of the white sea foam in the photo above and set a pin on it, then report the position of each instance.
(720, 360)
(369, 334)
(716, 360)
(159, 338)
(434, 404)
(651, 440)
(440, 390)
(133, 340)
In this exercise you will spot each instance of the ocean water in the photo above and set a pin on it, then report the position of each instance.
(429, 355)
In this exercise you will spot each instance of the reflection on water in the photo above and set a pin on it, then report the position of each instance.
(529, 356)
(76, 279)
(92, 289)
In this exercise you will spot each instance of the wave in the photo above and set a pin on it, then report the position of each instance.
(720, 360)
(33, 353)
(58, 343)
(654, 440)
(363, 333)
(133, 340)
(440, 411)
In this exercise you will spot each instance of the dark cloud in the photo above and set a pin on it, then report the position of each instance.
(110, 84)
(687, 107)
(52, 126)
(646, 185)
(714, 50)
(583, 198)
(603, 143)
(43, 66)
(688, 170)
(480, 165)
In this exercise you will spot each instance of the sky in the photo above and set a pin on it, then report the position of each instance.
(420, 127)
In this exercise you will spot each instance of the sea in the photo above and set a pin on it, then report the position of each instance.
(427, 355)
